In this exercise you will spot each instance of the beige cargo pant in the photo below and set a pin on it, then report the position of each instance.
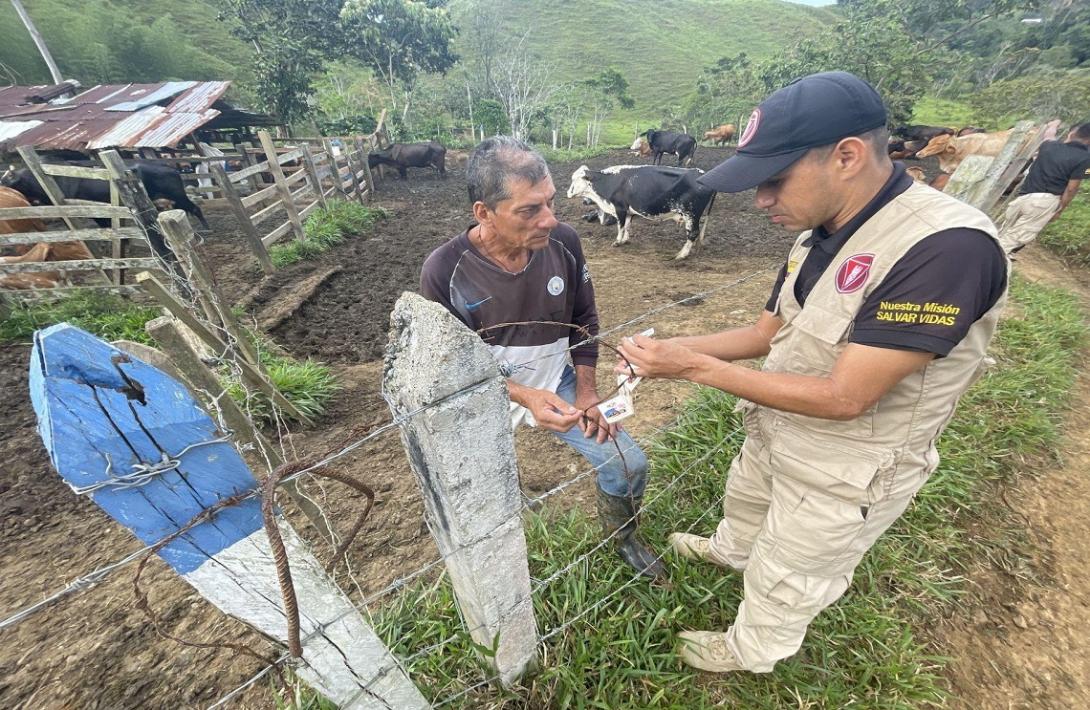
(798, 516)
(1025, 217)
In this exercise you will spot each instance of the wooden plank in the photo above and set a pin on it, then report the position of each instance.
(310, 208)
(289, 156)
(256, 168)
(206, 386)
(278, 178)
(64, 291)
(83, 235)
(1015, 156)
(267, 211)
(76, 171)
(259, 196)
(80, 388)
(273, 236)
(296, 177)
(248, 160)
(78, 265)
(253, 238)
(312, 173)
(117, 248)
(254, 377)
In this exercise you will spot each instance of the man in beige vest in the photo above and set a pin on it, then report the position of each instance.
(877, 324)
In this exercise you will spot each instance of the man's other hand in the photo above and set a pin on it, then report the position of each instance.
(549, 409)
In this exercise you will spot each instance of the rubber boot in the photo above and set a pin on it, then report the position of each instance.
(619, 513)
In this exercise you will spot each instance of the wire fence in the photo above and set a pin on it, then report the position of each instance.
(229, 360)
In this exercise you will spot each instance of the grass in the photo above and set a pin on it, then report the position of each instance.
(932, 111)
(309, 385)
(325, 228)
(1069, 236)
(871, 649)
(106, 315)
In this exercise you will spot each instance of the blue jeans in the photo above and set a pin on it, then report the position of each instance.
(612, 477)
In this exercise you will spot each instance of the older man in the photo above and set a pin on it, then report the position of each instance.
(878, 323)
(519, 265)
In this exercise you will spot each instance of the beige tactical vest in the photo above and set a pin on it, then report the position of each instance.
(903, 427)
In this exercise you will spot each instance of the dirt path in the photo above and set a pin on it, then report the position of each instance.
(1027, 646)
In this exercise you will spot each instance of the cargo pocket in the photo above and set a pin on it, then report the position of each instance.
(829, 328)
(824, 498)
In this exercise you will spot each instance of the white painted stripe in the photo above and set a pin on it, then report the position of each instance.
(338, 660)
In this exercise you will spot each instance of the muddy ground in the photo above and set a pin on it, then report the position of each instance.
(95, 651)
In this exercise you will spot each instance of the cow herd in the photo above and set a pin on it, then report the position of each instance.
(617, 193)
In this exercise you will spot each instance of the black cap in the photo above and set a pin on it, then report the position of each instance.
(813, 111)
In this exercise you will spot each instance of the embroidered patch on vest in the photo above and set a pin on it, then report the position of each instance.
(853, 273)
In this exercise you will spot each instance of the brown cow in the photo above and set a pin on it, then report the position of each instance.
(952, 150)
(642, 148)
(14, 198)
(722, 134)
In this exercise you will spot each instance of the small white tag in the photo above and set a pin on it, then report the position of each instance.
(620, 406)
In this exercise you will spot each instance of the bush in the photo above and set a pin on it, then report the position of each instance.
(325, 228)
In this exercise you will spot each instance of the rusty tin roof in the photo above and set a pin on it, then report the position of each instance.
(107, 115)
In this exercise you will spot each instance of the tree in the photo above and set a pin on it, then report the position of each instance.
(605, 91)
(291, 41)
(399, 39)
(524, 86)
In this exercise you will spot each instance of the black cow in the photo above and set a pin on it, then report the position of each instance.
(162, 183)
(921, 133)
(646, 190)
(680, 144)
(411, 155)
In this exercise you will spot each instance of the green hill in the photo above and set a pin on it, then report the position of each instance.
(659, 45)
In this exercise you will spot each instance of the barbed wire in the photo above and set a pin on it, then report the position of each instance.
(229, 357)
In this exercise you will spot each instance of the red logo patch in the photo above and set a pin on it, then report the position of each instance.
(751, 128)
(853, 273)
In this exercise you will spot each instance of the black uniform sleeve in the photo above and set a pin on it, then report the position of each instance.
(931, 297)
(776, 288)
(585, 311)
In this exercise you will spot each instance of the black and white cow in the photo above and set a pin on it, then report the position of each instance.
(680, 144)
(648, 191)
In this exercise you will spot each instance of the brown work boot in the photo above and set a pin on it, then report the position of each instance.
(694, 547)
(707, 650)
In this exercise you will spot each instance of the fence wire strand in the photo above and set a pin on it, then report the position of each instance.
(229, 358)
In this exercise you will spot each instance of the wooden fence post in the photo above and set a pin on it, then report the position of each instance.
(252, 374)
(366, 160)
(281, 184)
(335, 164)
(156, 467)
(312, 174)
(461, 450)
(136, 199)
(253, 238)
(204, 384)
(179, 234)
(980, 179)
(49, 185)
(349, 149)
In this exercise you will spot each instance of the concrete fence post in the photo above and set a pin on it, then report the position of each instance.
(461, 449)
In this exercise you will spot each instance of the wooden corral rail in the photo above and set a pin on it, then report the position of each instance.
(109, 273)
(293, 179)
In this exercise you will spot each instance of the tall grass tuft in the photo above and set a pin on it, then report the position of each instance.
(308, 384)
(325, 228)
(616, 648)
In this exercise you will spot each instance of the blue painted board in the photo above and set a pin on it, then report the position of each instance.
(90, 412)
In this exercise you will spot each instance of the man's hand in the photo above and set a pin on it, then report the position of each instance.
(656, 358)
(594, 423)
(549, 409)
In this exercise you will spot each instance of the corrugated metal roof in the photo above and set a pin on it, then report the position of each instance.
(108, 115)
